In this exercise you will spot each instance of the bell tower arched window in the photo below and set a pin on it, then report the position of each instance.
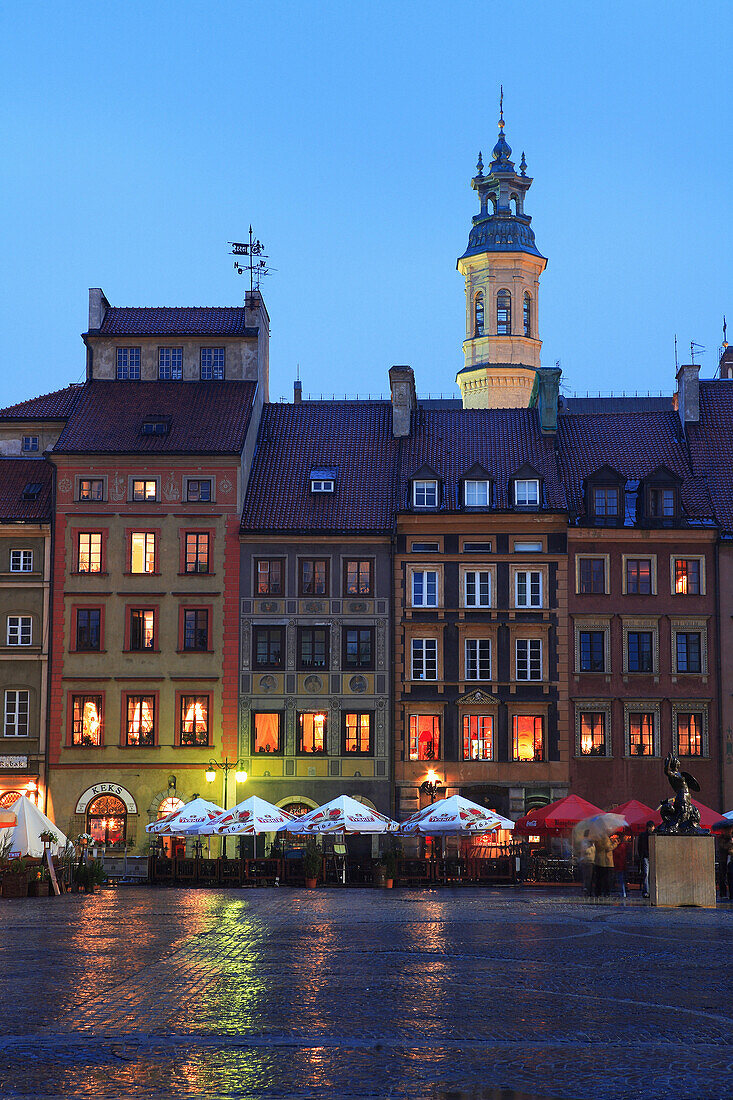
(527, 315)
(478, 314)
(504, 313)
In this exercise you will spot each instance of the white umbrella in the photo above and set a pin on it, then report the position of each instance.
(187, 819)
(455, 815)
(343, 815)
(254, 815)
(25, 835)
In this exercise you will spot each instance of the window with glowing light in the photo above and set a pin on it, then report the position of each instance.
(169, 806)
(140, 722)
(478, 737)
(197, 552)
(687, 576)
(86, 722)
(689, 733)
(144, 490)
(358, 578)
(7, 798)
(267, 737)
(142, 552)
(358, 733)
(89, 552)
(641, 734)
(194, 720)
(424, 737)
(312, 732)
(91, 488)
(593, 733)
(107, 821)
(528, 737)
(142, 629)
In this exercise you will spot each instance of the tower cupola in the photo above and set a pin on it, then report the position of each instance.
(501, 267)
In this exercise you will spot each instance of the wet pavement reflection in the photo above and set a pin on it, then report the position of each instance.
(452, 995)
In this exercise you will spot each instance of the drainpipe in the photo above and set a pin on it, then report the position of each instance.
(719, 669)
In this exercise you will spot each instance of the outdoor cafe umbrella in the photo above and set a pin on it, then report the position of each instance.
(343, 815)
(454, 815)
(556, 818)
(637, 814)
(185, 820)
(253, 815)
(708, 818)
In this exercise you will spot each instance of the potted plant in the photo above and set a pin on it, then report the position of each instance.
(15, 879)
(40, 885)
(49, 837)
(312, 864)
(390, 869)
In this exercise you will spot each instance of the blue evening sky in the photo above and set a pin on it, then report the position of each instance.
(139, 138)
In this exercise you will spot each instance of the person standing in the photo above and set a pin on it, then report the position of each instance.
(620, 854)
(644, 858)
(587, 856)
(603, 864)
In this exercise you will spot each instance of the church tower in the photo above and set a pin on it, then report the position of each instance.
(501, 267)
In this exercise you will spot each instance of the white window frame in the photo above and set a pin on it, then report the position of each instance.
(530, 661)
(24, 560)
(17, 626)
(424, 658)
(477, 657)
(425, 574)
(322, 484)
(423, 487)
(525, 482)
(129, 364)
(144, 535)
(210, 371)
(29, 444)
(473, 484)
(168, 371)
(476, 575)
(10, 716)
(527, 574)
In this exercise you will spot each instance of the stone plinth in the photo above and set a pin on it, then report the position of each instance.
(682, 870)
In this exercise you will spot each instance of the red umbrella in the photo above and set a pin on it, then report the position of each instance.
(556, 818)
(708, 817)
(637, 815)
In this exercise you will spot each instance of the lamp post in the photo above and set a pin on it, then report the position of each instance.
(226, 765)
(431, 785)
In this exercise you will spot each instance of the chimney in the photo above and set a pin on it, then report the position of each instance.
(98, 306)
(548, 386)
(404, 400)
(688, 394)
(257, 317)
(725, 367)
(297, 392)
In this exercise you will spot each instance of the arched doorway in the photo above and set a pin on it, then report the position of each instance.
(171, 845)
(107, 821)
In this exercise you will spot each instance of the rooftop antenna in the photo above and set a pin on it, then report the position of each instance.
(725, 332)
(693, 348)
(254, 250)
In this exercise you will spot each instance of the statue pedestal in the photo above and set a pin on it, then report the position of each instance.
(682, 870)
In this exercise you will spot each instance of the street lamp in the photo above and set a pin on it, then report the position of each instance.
(431, 785)
(226, 765)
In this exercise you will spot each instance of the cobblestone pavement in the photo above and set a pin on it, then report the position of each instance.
(446, 995)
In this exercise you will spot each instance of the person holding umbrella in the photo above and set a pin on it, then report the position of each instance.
(644, 858)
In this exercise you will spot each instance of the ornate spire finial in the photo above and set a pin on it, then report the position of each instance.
(501, 106)
(480, 164)
(523, 165)
(725, 332)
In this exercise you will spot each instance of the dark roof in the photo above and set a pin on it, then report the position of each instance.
(501, 233)
(711, 447)
(175, 321)
(205, 418)
(634, 444)
(355, 438)
(501, 440)
(17, 474)
(49, 406)
(589, 406)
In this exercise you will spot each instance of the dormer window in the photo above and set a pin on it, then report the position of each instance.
(156, 425)
(30, 443)
(527, 492)
(425, 494)
(32, 490)
(661, 503)
(476, 493)
(323, 481)
(661, 498)
(605, 505)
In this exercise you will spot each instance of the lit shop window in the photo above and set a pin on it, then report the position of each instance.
(689, 733)
(87, 720)
(424, 737)
(312, 732)
(267, 732)
(478, 737)
(107, 821)
(140, 720)
(593, 733)
(194, 719)
(528, 737)
(358, 735)
(641, 734)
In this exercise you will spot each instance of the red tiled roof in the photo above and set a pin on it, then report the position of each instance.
(205, 418)
(354, 438)
(634, 444)
(451, 441)
(711, 447)
(15, 475)
(49, 406)
(176, 321)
